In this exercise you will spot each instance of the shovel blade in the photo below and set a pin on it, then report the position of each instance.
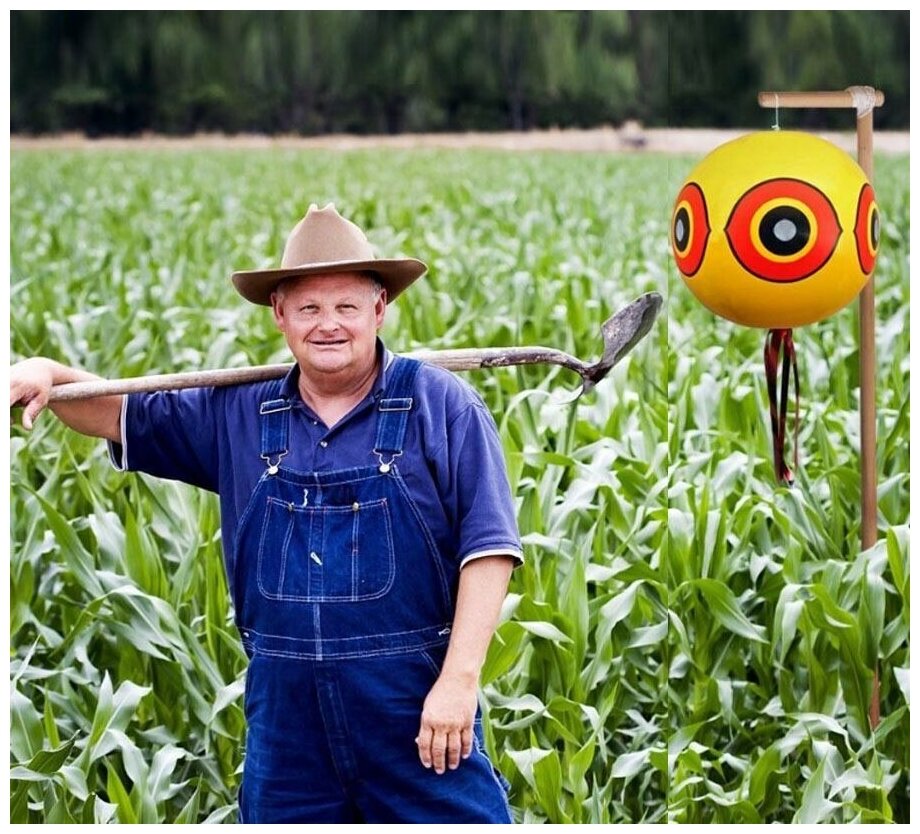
(621, 333)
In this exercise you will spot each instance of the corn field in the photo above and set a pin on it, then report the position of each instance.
(687, 641)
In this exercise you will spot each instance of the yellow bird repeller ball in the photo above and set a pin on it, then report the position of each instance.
(776, 229)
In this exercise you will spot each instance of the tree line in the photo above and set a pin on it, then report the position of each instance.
(396, 71)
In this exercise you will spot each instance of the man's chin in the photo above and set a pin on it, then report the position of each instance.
(328, 364)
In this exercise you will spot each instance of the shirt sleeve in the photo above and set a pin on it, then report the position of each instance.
(170, 434)
(478, 496)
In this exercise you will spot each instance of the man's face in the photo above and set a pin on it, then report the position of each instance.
(330, 322)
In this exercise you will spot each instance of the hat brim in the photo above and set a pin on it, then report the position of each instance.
(257, 285)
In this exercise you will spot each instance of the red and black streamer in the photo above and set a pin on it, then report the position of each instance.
(781, 340)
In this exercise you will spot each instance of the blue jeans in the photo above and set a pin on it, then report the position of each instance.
(334, 741)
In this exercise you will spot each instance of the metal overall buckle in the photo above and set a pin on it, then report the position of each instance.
(273, 467)
(385, 465)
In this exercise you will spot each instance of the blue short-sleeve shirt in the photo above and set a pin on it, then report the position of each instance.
(452, 460)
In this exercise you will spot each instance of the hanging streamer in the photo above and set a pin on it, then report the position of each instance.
(777, 340)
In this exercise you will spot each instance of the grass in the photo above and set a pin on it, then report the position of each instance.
(686, 642)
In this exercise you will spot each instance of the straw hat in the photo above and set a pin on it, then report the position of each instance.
(325, 242)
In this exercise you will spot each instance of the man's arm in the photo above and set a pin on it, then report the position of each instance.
(446, 731)
(30, 385)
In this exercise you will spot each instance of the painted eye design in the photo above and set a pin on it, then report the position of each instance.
(868, 229)
(689, 229)
(783, 230)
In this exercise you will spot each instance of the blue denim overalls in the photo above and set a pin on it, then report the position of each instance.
(344, 606)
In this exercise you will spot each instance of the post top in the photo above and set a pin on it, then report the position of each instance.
(863, 99)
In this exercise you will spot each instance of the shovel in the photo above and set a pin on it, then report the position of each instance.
(621, 332)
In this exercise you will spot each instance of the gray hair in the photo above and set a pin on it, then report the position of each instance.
(377, 285)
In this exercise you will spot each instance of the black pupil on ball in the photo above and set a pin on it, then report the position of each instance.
(784, 230)
(682, 228)
(876, 230)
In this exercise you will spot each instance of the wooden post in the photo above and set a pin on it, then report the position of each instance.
(867, 365)
(864, 100)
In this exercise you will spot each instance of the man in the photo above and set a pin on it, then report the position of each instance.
(368, 533)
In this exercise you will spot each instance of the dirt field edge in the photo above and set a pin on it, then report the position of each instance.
(629, 138)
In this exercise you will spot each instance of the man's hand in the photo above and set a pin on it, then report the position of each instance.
(31, 382)
(30, 385)
(446, 731)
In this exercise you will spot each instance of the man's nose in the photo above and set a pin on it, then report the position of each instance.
(328, 320)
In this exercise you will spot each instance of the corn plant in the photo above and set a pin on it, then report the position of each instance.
(686, 641)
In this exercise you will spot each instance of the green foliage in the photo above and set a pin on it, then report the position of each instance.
(391, 71)
(686, 641)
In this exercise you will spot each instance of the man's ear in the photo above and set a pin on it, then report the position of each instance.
(380, 308)
(277, 300)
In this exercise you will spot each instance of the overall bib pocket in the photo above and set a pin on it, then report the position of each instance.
(326, 553)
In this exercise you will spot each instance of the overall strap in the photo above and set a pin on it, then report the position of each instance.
(274, 422)
(393, 410)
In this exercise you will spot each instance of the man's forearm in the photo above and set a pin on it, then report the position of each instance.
(30, 384)
(446, 730)
(482, 589)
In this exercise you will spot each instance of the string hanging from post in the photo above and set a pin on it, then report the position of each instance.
(775, 112)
